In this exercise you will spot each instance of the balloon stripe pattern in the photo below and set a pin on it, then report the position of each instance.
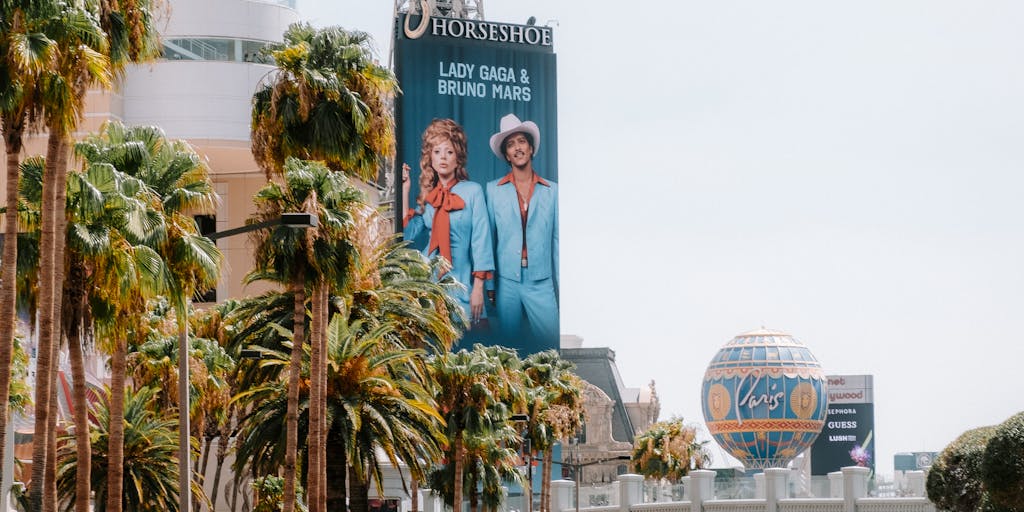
(764, 398)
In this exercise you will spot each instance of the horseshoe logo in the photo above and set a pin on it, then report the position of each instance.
(424, 18)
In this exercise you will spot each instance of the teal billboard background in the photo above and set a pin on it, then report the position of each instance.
(475, 82)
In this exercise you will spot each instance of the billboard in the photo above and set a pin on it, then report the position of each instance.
(916, 461)
(495, 217)
(848, 436)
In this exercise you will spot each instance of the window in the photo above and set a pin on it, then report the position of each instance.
(216, 49)
(207, 224)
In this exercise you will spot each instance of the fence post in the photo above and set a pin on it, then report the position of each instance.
(703, 488)
(561, 495)
(915, 483)
(776, 487)
(428, 502)
(835, 484)
(855, 485)
(759, 486)
(631, 491)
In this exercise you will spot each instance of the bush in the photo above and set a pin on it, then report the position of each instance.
(1002, 466)
(954, 481)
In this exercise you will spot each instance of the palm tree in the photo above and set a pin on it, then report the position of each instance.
(107, 207)
(388, 285)
(377, 403)
(469, 386)
(300, 259)
(216, 324)
(372, 402)
(556, 409)
(100, 201)
(171, 171)
(20, 64)
(492, 456)
(328, 101)
(78, 62)
(669, 450)
(104, 205)
(91, 48)
(154, 363)
(150, 469)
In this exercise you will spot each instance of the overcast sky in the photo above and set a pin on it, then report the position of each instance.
(850, 173)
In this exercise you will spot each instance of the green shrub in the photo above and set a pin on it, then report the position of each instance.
(1002, 466)
(954, 481)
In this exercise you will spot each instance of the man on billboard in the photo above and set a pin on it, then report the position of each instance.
(523, 210)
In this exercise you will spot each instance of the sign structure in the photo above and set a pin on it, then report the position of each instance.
(764, 398)
(848, 436)
(475, 73)
(916, 461)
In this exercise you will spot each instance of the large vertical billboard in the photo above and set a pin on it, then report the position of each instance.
(477, 159)
(848, 436)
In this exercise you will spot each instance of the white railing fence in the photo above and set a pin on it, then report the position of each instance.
(848, 490)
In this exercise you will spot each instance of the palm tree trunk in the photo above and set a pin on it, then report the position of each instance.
(50, 475)
(83, 444)
(545, 484)
(414, 494)
(203, 461)
(222, 453)
(459, 451)
(184, 411)
(316, 425)
(359, 493)
(115, 448)
(47, 304)
(528, 490)
(59, 270)
(294, 372)
(324, 320)
(337, 492)
(12, 128)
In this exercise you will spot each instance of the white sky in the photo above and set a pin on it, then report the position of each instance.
(850, 173)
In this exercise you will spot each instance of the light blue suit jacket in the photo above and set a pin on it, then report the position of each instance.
(541, 231)
(470, 236)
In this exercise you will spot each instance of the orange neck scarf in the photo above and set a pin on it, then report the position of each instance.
(444, 202)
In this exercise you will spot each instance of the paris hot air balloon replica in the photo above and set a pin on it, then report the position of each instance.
(764, 397)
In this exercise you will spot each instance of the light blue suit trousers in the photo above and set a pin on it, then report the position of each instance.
(530, 290)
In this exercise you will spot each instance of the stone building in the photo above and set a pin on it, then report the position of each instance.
(615, 413)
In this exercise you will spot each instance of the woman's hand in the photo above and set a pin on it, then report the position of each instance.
(476, 300)
(406, 185)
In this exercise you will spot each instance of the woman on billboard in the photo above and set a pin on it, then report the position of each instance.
(454, 211)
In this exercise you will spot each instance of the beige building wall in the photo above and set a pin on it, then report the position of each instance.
(205, 102)
(236, 180)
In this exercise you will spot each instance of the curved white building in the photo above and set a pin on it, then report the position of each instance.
(201, 91)
(202, 88)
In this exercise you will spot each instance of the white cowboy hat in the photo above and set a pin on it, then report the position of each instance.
(511, 124)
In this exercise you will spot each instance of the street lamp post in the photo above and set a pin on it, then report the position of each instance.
(528, 491)
(294, 220)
